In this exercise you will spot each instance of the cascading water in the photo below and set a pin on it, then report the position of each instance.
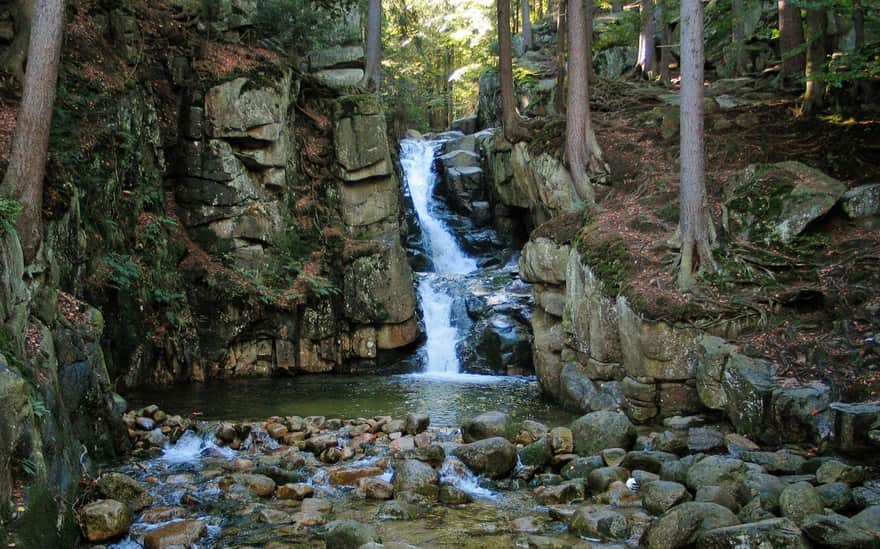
(417, 161)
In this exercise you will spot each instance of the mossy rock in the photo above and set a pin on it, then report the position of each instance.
(609, 258)
(776, 202)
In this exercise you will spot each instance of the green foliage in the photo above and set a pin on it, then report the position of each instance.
(524, 76)
(289, 254)
(28, 466)
(300, 26)
(9, 210)
(39, 407)
(124, 272)
(622, 32)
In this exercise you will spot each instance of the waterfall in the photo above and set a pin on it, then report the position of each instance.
(417, 161)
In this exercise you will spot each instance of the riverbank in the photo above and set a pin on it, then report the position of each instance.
(495, 481)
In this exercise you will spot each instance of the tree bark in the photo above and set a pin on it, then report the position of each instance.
(645, 58)
(814, 96)
(526, 26)
(513, 131)
(859, 24)
(27, 159)
(791, 37)
(666, 57)
(739, 37)
(559, 99)
(373, 69)
(696, 254)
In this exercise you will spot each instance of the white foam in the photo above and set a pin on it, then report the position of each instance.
(191, 447)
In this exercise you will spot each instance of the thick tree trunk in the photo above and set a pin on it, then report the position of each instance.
(513, 131)
(27, 159)
(739, 37)
(559, 99)
(814, 96)
(645, 58)
(373, 69)
(791, 37)
(695, 252)
(526, 26)
(578, 106)
(666, 57)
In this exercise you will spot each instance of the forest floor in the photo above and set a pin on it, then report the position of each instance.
(812, 306)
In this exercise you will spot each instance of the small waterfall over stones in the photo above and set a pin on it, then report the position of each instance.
(417, 161)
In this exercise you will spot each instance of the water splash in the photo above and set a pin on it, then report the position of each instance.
(192, 447)
(455, 473)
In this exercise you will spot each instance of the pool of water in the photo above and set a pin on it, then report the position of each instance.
(447, 399)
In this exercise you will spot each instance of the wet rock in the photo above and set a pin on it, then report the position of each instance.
(309, 518)
(613, 456)
(684, 523)
(416, 423)
(677, 471)
(274, 516)
(537, 454)
(862, 201)
(658, 497)
(782, 461)
(453, 495)
(317, 505)
(525, 525)
(162, 514)
(869, 519)
(646, 460)
(837, 496)
(400, 510)
(433, 454)
(376, 488)
(276, 430)
(867, 495)
(601, 478)
(565, 492)
(348, 534)
(260, 485)
(393, 426)
(403, 444)
(838, 531)
(414, 476)
(775, 532)
(534, 429)
(493, 457)
(351, 475)
(486, 425)
(145, 423)
(582, 467)
(104, 519)
(799, 500)
(226, 432)
(836, 471)
(737, 443)
(721, 495)
(712, 469)
(598, 522)
(295, 491)
(318, 444)
(766, 487)
(119, 487)
(561, 441)
(599, 430)
(705, 439)
(675, 442)
(176, 534)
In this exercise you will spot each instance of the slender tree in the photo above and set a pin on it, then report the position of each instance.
(526, 25)
(791, 38)
(27, 159)
(559, 98)
(645, 57)
(696, 254)
(739, 36)
(581, 147)
(817, 24)
(373, 69)
(666, 58)
(859, 24)
(513, 130)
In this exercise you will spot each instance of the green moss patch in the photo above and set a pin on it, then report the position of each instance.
(608, 256)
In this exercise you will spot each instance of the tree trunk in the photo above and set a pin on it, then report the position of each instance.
(578, 106)
(695, 252)
(539, 9)
(814, 96)
(645, 58)
(447, 89)
(526, 26)
(739, 37)
(791, 37)
(27, 159)
(373, 69)
(13, 59)
(513, 131)
(666, 57)
(559, 99)
(616, 6)
(859, 24)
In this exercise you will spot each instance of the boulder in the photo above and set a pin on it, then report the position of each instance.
(777, 201)
(837, 496)
(775, 532)
(659, 496)
(336, 55)
(486, 425)
(596, 431)
(537, 454)
(415, 476)
(340, 79)
(175, 534)
(119, 487)
(104, 519)
(838, 531)
(799, 500)
(416, 423)
(683, 524)
(713, 469)
(348, 534)
(598, 522)
(494, 457)
(862, 201)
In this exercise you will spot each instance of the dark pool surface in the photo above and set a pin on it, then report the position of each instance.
(448, 400)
